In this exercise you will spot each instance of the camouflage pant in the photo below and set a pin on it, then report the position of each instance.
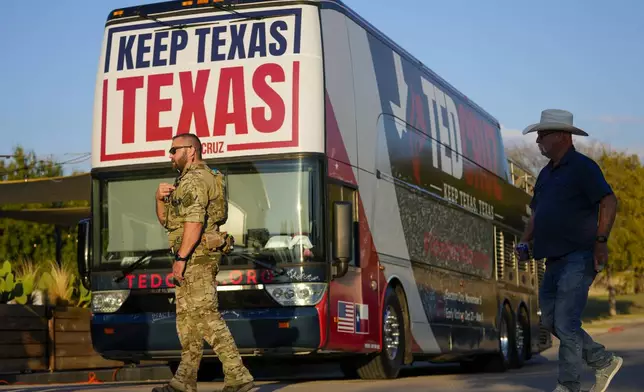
(198, 318)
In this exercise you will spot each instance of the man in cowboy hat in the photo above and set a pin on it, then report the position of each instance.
(573, 210)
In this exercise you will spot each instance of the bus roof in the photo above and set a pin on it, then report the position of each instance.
(180, 5)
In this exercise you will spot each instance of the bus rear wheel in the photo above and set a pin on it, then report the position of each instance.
(387, 363)
(503, 360)
(522, 339)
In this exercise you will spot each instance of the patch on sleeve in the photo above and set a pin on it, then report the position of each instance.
(188, 199)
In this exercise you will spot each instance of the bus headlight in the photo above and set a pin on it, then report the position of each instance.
(108, 301)
(297, 294)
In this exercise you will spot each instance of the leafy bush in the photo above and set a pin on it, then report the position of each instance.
(59, 284)
(15, 288)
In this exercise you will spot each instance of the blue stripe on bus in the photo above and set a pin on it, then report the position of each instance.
(247, 314)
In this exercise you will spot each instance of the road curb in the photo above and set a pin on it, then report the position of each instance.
(94, 376)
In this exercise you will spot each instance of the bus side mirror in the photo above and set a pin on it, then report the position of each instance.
(342, 236)
(83, 251)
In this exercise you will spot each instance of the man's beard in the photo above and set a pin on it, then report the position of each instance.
(179, 164)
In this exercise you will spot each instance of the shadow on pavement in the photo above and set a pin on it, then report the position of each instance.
(543, 377)
(310, 373)
(538, 374)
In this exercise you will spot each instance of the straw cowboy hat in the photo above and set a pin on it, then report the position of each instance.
(555, 120)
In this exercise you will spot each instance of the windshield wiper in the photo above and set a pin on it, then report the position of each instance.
(128, 270)
(279, 271)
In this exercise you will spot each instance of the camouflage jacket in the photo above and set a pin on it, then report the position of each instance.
(198, 197)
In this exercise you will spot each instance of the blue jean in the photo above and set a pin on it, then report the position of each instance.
(562, 298)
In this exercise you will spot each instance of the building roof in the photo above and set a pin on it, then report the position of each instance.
(53, 216)
(47, 190)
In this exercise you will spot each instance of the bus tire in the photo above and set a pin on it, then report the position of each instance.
(522, 339)
(387, 363)
(503, 360)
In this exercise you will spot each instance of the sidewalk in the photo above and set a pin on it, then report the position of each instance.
(616, 324)
(163, 373)
(90, 376)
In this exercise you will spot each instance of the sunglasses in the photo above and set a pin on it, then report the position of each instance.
(173, 150)
(542, 134)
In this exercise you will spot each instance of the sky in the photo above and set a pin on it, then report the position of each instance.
(513, 58)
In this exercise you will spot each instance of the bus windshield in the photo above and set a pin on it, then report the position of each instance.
(273, 214)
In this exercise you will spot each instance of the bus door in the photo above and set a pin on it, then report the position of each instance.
(353, 301)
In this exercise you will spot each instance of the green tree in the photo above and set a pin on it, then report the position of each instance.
(625, 173)
(21, 240)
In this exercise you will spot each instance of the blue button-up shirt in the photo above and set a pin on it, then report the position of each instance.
(566, 205)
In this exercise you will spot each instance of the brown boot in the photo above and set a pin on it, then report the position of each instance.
(237, 388)
(166, 388)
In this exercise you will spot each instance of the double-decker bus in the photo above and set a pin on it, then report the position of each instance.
(373, 207)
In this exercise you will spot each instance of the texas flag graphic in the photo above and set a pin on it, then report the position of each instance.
(362, 318)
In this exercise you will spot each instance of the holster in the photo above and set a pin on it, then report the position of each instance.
(218, 241)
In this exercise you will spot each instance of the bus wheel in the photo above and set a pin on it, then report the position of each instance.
(387, 363)
(522, 339)
(503, 360)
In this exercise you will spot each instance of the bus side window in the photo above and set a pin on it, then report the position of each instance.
(343, 193)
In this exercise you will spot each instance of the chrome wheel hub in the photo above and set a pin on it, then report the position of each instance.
(503, 337)
(392, 333)
(519, 338)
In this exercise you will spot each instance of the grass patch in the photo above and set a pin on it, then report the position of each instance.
(597, 307)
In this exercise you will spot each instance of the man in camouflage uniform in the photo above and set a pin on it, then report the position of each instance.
(191, 211)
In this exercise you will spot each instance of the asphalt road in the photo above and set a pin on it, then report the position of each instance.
(538, 375)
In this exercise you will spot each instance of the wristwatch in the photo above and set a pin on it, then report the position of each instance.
(602, 238)
(179, 258)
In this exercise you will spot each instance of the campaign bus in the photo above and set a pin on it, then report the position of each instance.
(372, 205)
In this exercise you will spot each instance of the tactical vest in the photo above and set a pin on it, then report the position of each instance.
(215, 197)
(218, 209)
